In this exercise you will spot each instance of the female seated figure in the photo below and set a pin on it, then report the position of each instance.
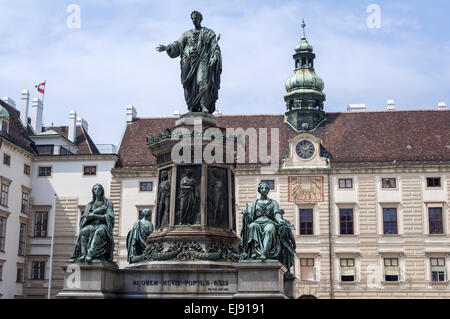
(265, 234)
(95, 241)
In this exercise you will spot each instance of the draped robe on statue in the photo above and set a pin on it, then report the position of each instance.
(201, 83)
(96, 237)
(137, 238)
(259, 229)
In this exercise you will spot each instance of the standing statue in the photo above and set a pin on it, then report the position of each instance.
(216, 199)
(201, 65)
(164, 200)
(265, 234)
(189, 197)
(95, 241)
(137, 237)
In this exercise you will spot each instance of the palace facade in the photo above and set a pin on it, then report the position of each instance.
(368, 192)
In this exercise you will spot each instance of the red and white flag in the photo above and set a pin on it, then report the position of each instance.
(40, 87)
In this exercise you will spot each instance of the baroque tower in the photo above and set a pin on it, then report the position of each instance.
(304, 97)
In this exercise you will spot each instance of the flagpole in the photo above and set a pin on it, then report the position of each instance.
(43, 94)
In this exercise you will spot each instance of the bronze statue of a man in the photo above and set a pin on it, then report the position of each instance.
(201, 65)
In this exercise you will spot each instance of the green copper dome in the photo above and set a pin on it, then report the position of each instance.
(305, 79)
(4, 113)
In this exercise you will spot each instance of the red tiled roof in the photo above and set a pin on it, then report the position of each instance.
(360, 139)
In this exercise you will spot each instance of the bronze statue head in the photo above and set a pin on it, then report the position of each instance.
(98, 192)
(146, 213)
(196, 17)
(263, 185)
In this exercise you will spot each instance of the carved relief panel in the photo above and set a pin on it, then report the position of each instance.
(306, 189)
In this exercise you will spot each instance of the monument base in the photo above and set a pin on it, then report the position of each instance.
(96, 280)
(175, 279)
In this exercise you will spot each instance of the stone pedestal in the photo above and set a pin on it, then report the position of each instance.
(174, 279)
(196, 203)
(260, 279)
(87, 281)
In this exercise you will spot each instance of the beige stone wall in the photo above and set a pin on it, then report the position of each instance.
(413, 246)
(66, 221)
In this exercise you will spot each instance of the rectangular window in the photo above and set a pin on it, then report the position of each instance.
(38, 270)
(433, 182)
(146, 186)
(2, 233)
(5, 126)
(391, 270)
(390, 221)
(19, 275)
(22, 239)
(90, 170)
(346, 221)
(271, 184)
(1, 272)
(25, 200)
(389, 183)
(6, 159)
(435, 220)
(438, 271)
(26, 169)
(307, 269)
(45, 171)
(347, 269)
(345, 183)
(64, 151)
(4, 195)
(40, 224)
(306, 222)
(45, 149)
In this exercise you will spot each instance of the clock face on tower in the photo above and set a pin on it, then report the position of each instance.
(305, 149)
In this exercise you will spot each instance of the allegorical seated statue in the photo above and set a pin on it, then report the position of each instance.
(265, 234)
(201, 65)
(137, 237)
(95, 241)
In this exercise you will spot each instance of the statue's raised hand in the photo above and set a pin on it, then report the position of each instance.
(161, 48)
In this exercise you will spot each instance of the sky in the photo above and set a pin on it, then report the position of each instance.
(108, 60)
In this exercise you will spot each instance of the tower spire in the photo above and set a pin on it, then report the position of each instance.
(303, 29)
(305, 97)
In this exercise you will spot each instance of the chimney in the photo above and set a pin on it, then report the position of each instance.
(390, 105)
(36, 115)
(24, 110)
(217, 112)
(9, 101)
(131, 113)
(72, 135)
(82, 122)
(176, 113)
(442, 106)
(356, 108)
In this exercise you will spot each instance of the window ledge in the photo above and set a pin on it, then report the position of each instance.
(438, 283)
(349, 283)
(393, 283)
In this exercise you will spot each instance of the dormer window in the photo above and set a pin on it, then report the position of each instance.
(5, 126)
(45, 149)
